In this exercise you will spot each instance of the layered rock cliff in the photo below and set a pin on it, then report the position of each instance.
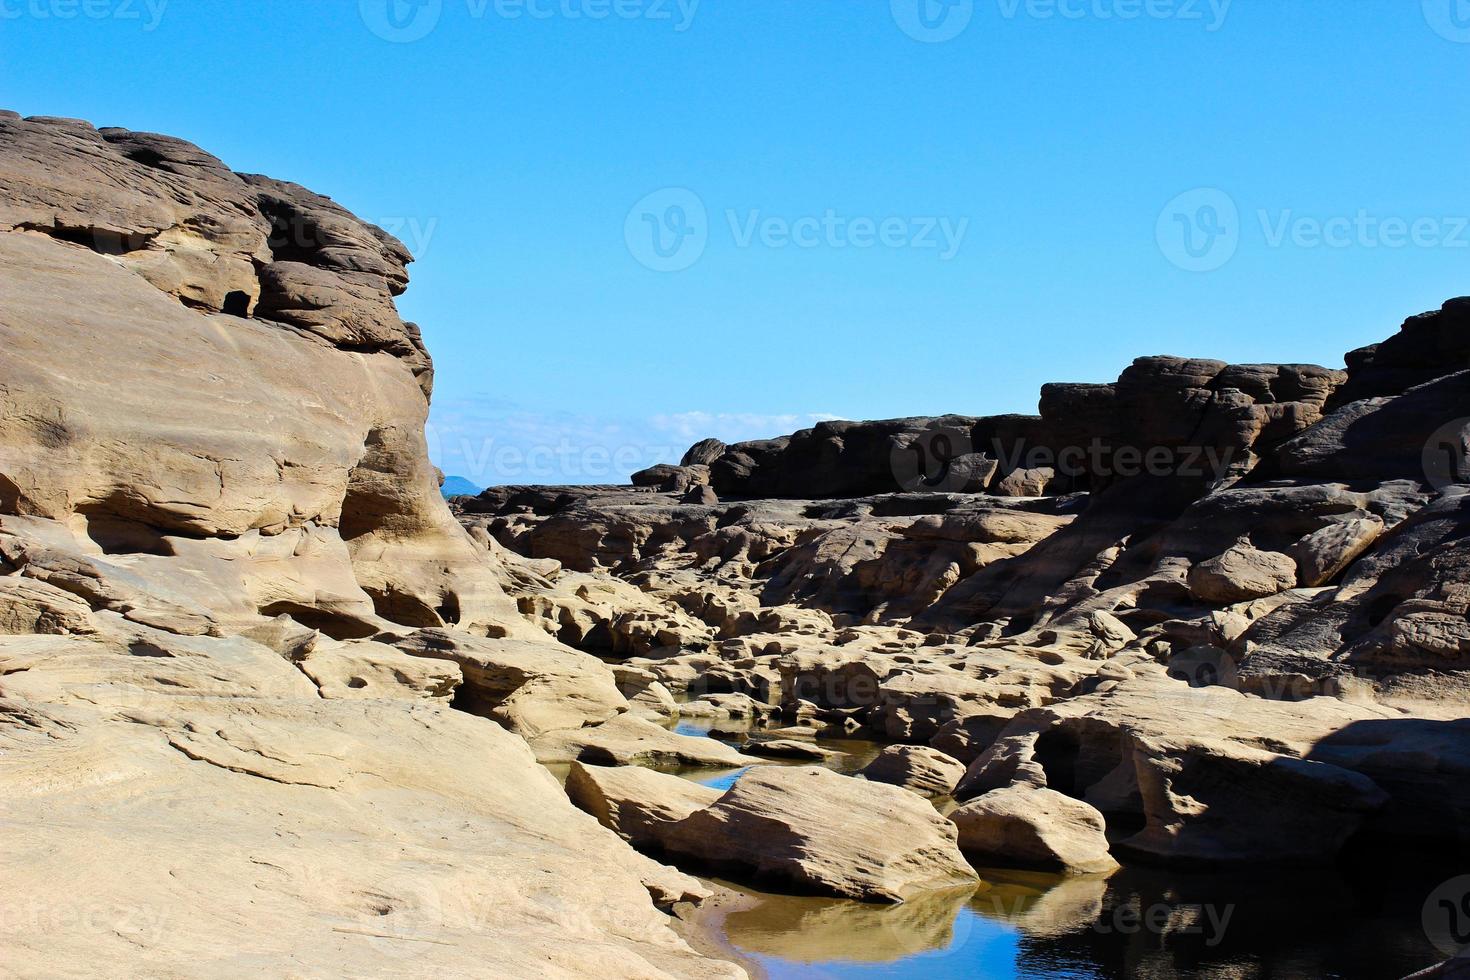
(238, 623)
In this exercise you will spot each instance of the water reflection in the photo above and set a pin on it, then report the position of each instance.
(813, 930)
(1141, 922)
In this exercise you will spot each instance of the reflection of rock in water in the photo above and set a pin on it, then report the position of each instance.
(1246, 924)
(814, 930)
(1041, 905)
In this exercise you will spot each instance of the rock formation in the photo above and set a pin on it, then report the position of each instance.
(235, 610)
(1209, 601)
(273, 706)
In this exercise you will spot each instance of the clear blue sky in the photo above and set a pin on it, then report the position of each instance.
(511, 152)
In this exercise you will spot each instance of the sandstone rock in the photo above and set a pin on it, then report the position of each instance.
(1033, 827)
(700, 494)
(923, 770)
(887, 846)
(724, 706)
(212, 441)
(364, 669)
(703, 452)
(636, 804)
(31, 606)
(1241, 574)
(788, 748)
(1322, 555)
(629, 741)
(531, 688)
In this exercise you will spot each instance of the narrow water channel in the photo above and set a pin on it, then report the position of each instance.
(1359, 920)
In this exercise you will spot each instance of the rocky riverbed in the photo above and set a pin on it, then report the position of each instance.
(269, 705)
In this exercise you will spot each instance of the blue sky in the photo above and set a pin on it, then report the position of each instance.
(865, 208)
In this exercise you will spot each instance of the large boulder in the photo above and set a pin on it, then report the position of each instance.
(1240, 574)
(1032, 827)
(819, 831)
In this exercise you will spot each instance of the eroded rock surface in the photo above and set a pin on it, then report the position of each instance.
(823, 832)
(234, 611)
(1209, 600)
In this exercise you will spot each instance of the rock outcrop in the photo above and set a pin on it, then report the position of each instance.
(1185, 598)
(1034, 827)
(234, 610)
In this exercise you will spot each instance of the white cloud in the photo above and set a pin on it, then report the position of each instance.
(492, 441)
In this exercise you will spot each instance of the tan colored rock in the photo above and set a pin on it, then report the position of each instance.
(834, 834)
(530, 687)
(629, 741)
(1029, 827)
(636, 803)
(364, 669)
(1242, 573)
(724, 706)
(211, 418)
(926, 771)
(1323, 555)
(31, 606)
(787, 748)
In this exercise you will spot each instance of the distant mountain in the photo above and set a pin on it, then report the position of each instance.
(458, 486)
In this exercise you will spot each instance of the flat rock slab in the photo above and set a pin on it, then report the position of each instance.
(788, 748)
(629, 741)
